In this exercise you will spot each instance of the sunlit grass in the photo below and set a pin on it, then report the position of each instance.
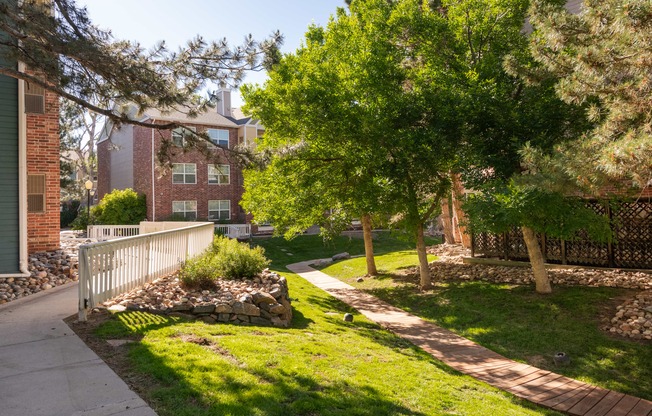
(517, 323)
(320, 366)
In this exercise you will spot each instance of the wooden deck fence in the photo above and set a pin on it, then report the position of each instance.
(631, 247)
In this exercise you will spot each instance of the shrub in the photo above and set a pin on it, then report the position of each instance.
(68, 213)
(200, 272)
(224, 258)
(235, 260)
(82, 222)
(121, 207)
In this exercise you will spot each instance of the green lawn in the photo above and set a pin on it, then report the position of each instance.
(320, 366)
(517, 323)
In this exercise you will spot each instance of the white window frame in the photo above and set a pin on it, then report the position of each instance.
(187, 207)
(219, 174)
(181, 133)
(219, 141)
(220, 209)
(185, 173)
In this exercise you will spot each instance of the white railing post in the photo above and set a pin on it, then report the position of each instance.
(109, 268)
(84, 282)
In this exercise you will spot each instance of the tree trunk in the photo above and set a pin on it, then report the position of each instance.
(368, 245)
(458, 214)
(425, 281)
(536, 260)
(446, 222)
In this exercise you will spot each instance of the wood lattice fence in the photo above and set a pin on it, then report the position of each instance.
(631, 248)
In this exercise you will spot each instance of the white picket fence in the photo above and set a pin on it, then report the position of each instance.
(234, 230)
(109, 268)
(111, 232)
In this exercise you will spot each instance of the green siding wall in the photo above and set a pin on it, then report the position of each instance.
(9, 227)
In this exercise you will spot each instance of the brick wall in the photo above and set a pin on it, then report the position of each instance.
(43, 158)
(166, 191)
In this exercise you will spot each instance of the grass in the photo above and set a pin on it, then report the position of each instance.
(517, 323)
(320, 366)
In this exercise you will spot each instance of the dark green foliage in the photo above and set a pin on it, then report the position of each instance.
(82, 220)
(235, 260)
(199, 272)
(68, 213)
(602, 58)
(121, 207)
(225, 258)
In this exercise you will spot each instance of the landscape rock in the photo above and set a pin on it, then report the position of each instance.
(47, 269)
(234, 301)
(341, 256)
(631, 319)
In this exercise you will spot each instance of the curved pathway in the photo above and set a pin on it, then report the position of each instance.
(542, 387)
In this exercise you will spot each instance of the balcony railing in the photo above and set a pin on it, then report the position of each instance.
(111, 232)
(234, 230)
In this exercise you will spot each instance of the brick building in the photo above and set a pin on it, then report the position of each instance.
(29, 136)
(194, 188)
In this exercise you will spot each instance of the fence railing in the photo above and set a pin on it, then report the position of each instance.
(234, 230)
(107, 269)
(111, 232)
(631, 226)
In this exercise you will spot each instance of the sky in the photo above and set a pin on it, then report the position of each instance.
(150, 21)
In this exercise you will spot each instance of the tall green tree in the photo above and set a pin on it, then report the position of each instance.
(503, 114)
(366, 102)
(603, 60)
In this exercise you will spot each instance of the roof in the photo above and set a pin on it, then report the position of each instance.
(240, 118)
(211, 117)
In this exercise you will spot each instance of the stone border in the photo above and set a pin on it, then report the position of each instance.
(263, 300)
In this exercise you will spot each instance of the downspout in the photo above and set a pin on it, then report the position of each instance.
(22, 177)
(153, 185)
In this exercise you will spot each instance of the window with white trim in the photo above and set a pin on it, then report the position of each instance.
(219, 137)
(179, 135)
(185, 209)
(219, 210)
(184, 173)
(219, 174)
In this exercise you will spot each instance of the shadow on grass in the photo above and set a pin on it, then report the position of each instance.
(334, 313)
(523, 325)
(208, 380)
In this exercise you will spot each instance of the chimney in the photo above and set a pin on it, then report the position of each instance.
(224, 102)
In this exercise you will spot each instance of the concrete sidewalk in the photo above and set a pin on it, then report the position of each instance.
(45, 369)
(538, 386)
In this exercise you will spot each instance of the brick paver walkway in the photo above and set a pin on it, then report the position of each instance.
(538, 386)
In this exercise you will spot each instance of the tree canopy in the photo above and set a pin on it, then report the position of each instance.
(65, 53)
(603, 59)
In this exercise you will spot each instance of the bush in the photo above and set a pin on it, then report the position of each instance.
(121, 207)
(68, 213)
(200, 272)
(236, 260)
(82, 222)
(225, 258)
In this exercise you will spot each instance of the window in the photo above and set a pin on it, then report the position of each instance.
(219, 136)
(34, 98)
(219, 174)
(35, 193)
(180, 134)
(219, 210)
(184, 173)
(185, 209)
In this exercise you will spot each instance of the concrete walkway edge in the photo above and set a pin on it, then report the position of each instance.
(538, 386)
(47, 370)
